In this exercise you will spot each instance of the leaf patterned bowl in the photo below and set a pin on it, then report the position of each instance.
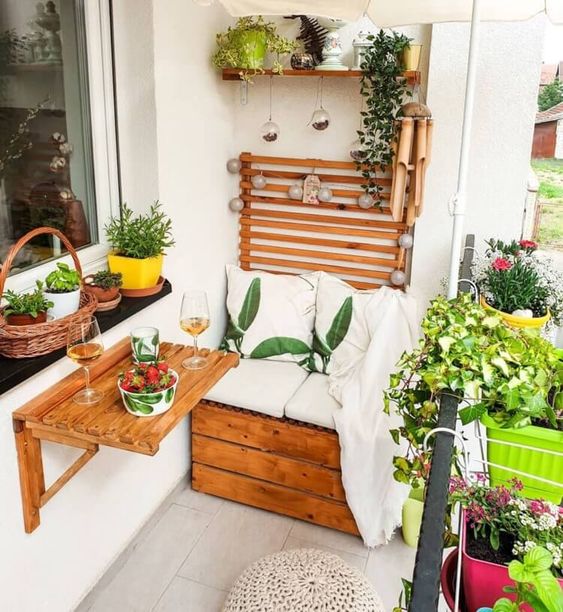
(149, 404)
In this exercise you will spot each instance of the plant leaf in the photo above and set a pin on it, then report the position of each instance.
(279, 345)
(538, 559)
(472, 413)
(340, 324)
(505, 605)
(250, 305)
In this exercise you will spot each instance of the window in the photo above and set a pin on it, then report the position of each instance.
(57, 146)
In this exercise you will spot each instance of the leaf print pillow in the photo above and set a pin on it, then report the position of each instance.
(341, 335)
(271, 316)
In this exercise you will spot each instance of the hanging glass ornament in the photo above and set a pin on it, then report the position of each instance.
(365, 201)
(258, 181)
(357, 151)
(296, 192)
(270, 130)
(234, 165)
(405, 241)
(325, 194)
(398, 278)
(320, 119)
(236, 204)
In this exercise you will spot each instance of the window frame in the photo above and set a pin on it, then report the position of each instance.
(100, 67)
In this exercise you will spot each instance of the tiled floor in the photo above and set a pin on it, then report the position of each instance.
(187, 557)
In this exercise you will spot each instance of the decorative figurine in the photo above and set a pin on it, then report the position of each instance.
(332, 49)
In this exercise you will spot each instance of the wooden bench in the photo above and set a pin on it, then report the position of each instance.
(278, 464)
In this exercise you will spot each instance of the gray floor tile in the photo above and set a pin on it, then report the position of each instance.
(354, 560)
(185, 595)
(186, 496)
(329, 537)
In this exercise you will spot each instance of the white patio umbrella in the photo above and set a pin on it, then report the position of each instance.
(388, 13)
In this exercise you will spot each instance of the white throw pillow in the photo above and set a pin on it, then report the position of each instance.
(271, 316)
(341, 331)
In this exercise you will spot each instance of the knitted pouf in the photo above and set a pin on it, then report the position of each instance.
(304, 580)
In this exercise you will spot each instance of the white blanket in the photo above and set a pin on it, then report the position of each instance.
(367, 448)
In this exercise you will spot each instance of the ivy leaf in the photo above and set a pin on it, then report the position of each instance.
(445, 342)
(501, 364)
(472, 413)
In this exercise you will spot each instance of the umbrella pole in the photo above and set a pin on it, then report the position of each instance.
(459, 199)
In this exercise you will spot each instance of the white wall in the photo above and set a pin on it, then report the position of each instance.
(85, 527)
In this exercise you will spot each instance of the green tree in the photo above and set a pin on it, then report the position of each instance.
(550, 95)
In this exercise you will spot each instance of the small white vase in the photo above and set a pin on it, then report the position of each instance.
(63, 303)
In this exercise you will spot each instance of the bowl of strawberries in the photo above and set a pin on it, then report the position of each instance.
(148, 389)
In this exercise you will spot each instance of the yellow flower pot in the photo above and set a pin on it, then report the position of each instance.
(136, 273)
(533, 323)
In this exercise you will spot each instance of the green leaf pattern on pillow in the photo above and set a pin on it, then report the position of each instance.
(334, 336)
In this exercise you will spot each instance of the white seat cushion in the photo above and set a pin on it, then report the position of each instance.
(260, 385)
(312, 402)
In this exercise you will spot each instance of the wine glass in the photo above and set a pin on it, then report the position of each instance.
(194, 319)
(84, 346)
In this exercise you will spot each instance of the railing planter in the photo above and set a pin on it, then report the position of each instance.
(523, 451)
(531, 323)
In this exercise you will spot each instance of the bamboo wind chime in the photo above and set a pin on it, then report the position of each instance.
(365, 247)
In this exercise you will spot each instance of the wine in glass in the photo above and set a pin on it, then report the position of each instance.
(85, 346)
(194, 319)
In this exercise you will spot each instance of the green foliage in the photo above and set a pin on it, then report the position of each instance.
(232, 51)
(141, 236)
(535, 584)
(404, 597)
(26, 303)
(550, 95)
(470, 354)
(106, 279)
(62, 280)
(383, 91)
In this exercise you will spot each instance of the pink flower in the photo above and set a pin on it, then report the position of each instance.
(538, 507)
(528, 245)
(500, 264)
(516, 484)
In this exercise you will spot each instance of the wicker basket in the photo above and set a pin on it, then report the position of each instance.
(23, 341)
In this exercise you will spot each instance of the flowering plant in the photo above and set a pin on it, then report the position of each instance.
(147, 378)
(502, 517)
(513, 276)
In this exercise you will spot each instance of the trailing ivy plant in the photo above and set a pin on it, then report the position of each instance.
(383, 91)
(468, 353)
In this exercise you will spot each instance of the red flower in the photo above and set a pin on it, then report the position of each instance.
(528, 245)
(500, 264)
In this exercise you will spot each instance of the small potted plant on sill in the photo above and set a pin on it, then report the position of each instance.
(501, 527)
(148, 389)
(62, 288)
(138, 244)
(245, 46)
(104, 285)
(26, 308)
(522, 286)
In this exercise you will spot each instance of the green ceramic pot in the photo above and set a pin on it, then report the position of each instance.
(412, 516)
(252, 49)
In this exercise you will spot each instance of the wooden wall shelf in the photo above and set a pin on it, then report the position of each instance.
(233, 74)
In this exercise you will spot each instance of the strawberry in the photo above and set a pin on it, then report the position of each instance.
(152, 375)
(163, 366)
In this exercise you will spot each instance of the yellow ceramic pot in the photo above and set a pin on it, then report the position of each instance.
(136, 273)
(518, 322)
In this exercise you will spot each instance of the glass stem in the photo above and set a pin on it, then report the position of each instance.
(87, 377)
(195, 347)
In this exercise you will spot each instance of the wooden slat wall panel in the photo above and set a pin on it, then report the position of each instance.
(282, 235)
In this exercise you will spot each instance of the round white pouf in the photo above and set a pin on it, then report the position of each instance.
(302, 581)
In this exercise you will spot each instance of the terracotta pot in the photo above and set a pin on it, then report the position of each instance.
(103, 295)
(447, 580)
(26, 319)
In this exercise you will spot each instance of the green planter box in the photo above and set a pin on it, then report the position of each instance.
(529, 460)
(252, 49)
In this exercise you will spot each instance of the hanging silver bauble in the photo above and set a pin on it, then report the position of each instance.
(270, 131)
(325, 194)
(398, 278)
(234, 165)
(258, 181)
(236, 204)
(296, 192)
(320, 119)
(357, 151)
(405, 241)
(365, 201)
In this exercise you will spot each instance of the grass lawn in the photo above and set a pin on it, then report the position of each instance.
(550, 175)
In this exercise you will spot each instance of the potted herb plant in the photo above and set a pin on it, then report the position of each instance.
(245, 46)
(138, 244)
(104, 285)
(501, 526)
(524, 287)
(62, 288)
(26, 308)
(383, 91)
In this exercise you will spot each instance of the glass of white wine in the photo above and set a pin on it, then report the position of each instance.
(84, 346)
(194, 319)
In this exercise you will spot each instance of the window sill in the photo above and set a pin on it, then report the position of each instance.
(15, 371)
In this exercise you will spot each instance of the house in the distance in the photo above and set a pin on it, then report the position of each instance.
(550, 72)
(548, 133)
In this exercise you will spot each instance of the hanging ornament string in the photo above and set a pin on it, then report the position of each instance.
(270, 130)
(316, 100)
(271, 96)
(320, 119)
